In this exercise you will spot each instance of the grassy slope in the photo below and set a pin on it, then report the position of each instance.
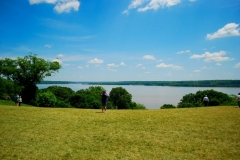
(48, 133)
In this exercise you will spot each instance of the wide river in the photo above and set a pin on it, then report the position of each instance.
(152, 96)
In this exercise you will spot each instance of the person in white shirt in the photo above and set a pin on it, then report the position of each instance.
(205, 100)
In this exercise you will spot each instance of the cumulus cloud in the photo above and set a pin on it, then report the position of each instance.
(237, 65)
(112, 65)
(163, 65)
(228, 30)
(122, 64)
(182, 52)
(60, 5)
(149, 57)
(96, 61)
(212, 57)
(153, 4)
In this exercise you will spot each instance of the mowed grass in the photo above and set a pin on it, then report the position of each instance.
(54, 133)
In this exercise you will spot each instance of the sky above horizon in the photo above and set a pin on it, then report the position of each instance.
(126, 40)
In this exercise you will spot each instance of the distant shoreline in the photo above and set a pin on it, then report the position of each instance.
(200, 83)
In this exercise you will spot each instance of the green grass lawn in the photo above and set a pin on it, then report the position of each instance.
(55, 133)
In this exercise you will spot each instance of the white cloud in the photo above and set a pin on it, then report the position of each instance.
(60, 55)
(80, 67)
(87, 66)
(156, 4)
(182, 52)
(113, 70)
(60, 5)
(67, 6)
(149, 57)
(218, 64)
(153, 4)
(163, 65)
(143, 67)
(42, 1)
(122, 64)
(48, 46)
(57, 60)
(212, 57)
(139, 65)
(197, 71)
(96, 61)
(112, 65)
(237, 65)
(134, 4)
(228, 30)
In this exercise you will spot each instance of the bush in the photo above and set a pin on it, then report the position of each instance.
(62, 104)
(167, 106)
(46, 99)
(139, 106)
(61, 93)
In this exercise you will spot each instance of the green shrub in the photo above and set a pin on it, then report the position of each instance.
(139, 106)
(46, 99)
(62, 104)
(167, 106)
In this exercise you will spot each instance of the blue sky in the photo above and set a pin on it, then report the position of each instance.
(122, 40)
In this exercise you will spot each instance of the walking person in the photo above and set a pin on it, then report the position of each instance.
(104, 101)
(17, 100)
(205, 100)
(20, 100)
(238, 99)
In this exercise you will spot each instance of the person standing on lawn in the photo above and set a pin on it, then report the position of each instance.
(20, 100)
(104, 101)
(205, 100)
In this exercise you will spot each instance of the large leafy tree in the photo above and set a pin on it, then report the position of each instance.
(27, 72)
(120, 98)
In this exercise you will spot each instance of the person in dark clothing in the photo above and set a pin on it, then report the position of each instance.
(104, 101)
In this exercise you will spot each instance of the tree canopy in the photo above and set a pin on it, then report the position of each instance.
(27, 72)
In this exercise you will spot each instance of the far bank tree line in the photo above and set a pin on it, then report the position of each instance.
(21, 76)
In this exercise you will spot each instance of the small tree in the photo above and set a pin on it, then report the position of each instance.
(46, 99)
(167, 106)
(120, 98)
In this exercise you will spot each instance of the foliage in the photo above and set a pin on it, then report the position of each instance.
(139, 106)
(120, 98)
(46, 99)
(215, 99)
(61, 93)
(62, 104)
(8, 87)
(167, 106)
(27, 72)
(201, 83)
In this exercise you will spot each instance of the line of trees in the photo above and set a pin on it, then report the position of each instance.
(196, 100)
(200, 83)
